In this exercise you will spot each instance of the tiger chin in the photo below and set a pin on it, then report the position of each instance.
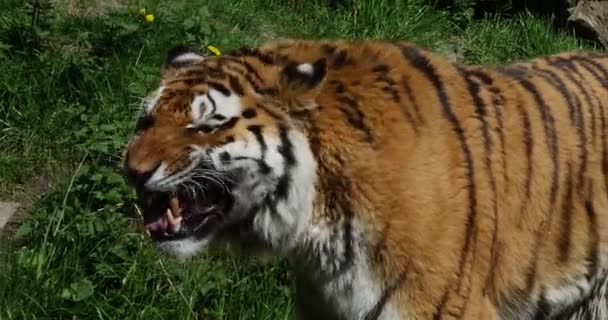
(398, 184)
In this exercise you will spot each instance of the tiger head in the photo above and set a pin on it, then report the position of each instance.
(216, 154)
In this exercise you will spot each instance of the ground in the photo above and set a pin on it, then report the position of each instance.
(72, 76)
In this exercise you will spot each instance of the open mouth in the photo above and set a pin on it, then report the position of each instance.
(185, 213)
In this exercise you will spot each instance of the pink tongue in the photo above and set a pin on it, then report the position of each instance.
(161, 224)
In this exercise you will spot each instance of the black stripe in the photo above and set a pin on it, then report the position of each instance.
(481, 114)
(604, 147)
(549, 128)
(229, 124)
(282, 188)
(271, 205)
(411, 98)
(556, 82)
(383, 77)
(564, 244)
(552, 143)
(252, 78)
(406, 113)
(263, 56)
(337, 199)
(575, 112)
(218, 117)
(355, 116)
(249, 113)
(213, 104)
(286, 147)
(602, 80)
(381, 68)
(562, 64)
(251, 70)
(380, 247)
(532, 268)
(270, 112)
(236, 86)
(376, 311)
(338, 203)
(596, 65)
(441, 306)
(594, 239)
(286, 150)
(528, 142)
(144, 122)
(328, 50)
(219, 87)
(543, 308)
(340, 59)
(262, 166)
(216, 72)
(422, 64)
(347, 236)
(314, 131)
(257, 132)
(481, 74)
(345, 203)
(225, 157)
(250, 74)
(498, 103)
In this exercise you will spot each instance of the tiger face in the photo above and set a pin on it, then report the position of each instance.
(215, 154)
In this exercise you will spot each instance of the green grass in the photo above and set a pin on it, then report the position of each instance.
(70, 87)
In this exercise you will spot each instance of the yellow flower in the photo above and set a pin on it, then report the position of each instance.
(150, 17)
(142, 11)
(215, 50)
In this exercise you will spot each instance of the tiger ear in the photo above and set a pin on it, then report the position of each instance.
(302, 81)
(180, 56)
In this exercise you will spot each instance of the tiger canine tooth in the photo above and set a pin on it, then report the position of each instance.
(175, 209)
(174, 222)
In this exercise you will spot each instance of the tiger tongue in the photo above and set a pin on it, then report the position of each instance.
(159, 225)
(165, 224)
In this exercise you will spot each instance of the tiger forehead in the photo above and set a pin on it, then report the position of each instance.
(214, 68)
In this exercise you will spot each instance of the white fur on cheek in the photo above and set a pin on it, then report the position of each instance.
(203, 107)
(282, 223)
(284, 226)
(228, 106)
(196, 108)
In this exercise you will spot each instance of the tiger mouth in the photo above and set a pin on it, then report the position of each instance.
(182, 214)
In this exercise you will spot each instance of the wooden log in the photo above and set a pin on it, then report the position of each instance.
(592, 15)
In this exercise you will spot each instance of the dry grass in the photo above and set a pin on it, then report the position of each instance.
(88, 8)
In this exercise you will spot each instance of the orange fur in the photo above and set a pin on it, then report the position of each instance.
(434, 162)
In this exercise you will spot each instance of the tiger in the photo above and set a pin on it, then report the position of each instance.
(397, 183)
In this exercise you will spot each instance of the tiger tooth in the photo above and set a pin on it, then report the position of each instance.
(170, 217)
(175, 209)
(177, 225)
(174, 222)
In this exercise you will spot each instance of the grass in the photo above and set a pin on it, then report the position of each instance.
(71, 84)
